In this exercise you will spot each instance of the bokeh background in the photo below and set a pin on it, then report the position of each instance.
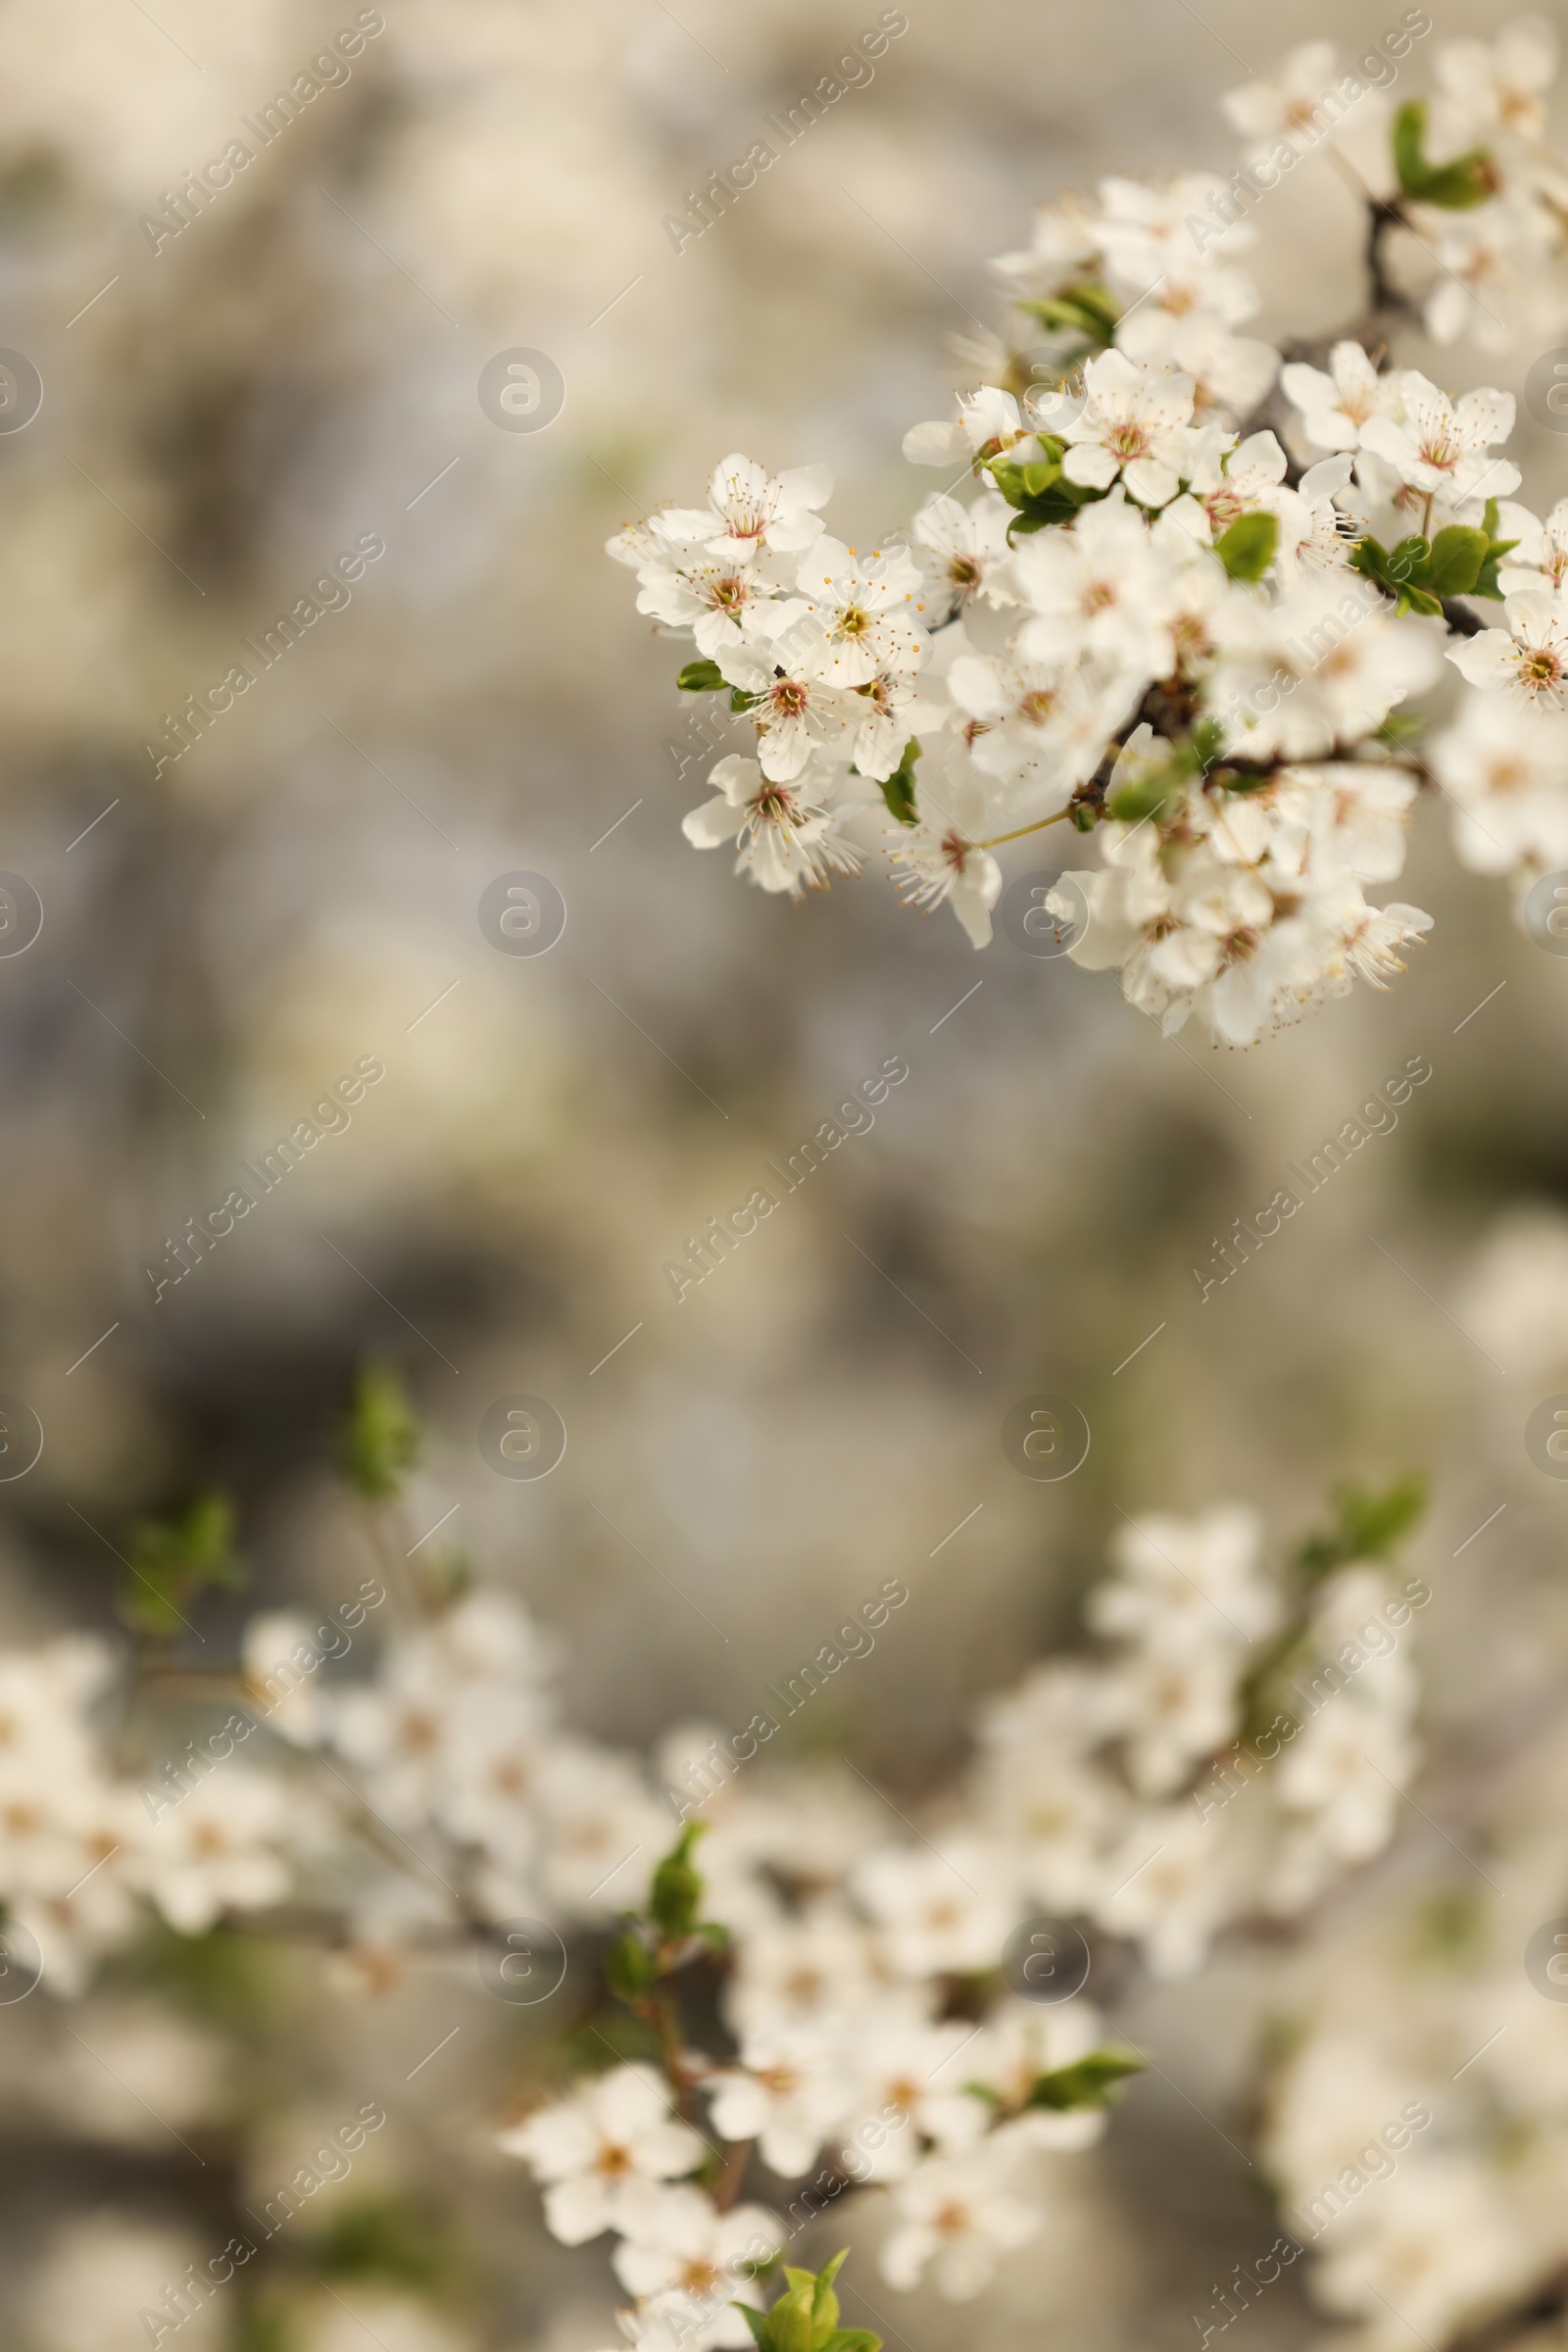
(221, 419)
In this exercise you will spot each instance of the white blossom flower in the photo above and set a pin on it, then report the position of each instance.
(1336, 406)
(939, 1912)
(1504, 765)
(821, 1963)
(1289, 102)
(223, 1847)
(1100, 588)
(795, 710)
(849, 609)
(1171, 1887)
(675, 2243)
(1441, 448)
(1494, 273)
(1136, 424)
(591, 2148)
(952, 2217)
(1042, 723)
(988, 425)
(1539, 560)
(963, 549)
(934, 863)
(789, 838)
(1229, 374)
(601, 1829)
(1145, 229)
(1064, 241)
(787, 2093)
(750, 509)
(1186, 1584)
(1528, 660)
(723, 603)
(1496, 86)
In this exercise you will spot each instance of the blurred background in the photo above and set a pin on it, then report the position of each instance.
(229, 932)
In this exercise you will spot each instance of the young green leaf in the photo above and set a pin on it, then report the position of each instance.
(675, 1898)
(1368, 1526)
(1455, 186)
(1454, 563)
(1090, 2082)
(631, 1968)
(380, 1435)
(172, 1560)
(701, 677)
(899, 789)
(1246, 549)
(806, 2317)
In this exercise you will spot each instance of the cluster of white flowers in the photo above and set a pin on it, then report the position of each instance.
(879, 2038)
(1239, 1747)
(1478, 219)
(875, 2032)
(1158, 616)
(82, 1851)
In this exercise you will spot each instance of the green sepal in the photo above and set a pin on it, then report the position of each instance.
(1090, 2082)
(897, 790)
(1246, 549)
(1456, 186)
(701, 677)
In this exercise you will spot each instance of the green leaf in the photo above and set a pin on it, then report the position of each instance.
(1246, 549)
(1466, 180)
(899, 789)
(756, 2321)
(1368, 1526)
(701, 677)
(1399, 572)
(1453, 566)
(172, 1560)
(380, 1435)
(1088, 2083)
(675, 1898)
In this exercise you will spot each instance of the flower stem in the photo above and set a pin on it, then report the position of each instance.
(997, 839)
